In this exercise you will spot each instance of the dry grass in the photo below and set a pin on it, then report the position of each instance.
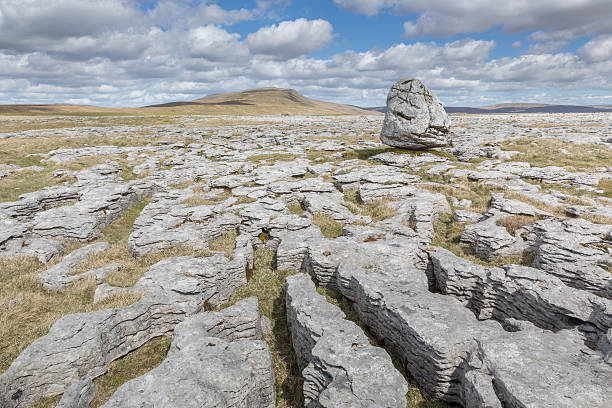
(196, 200)
(330, 228)
(226, 243)
(513, 223)
(134, 364)
(272, 157)
(29, 310)
(597, 219)
(296, 209)
(27, 181)
(377, 210)
(543, 152)
(266, 283)
(606, 186)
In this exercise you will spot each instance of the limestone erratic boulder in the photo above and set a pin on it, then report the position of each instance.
(415, 117)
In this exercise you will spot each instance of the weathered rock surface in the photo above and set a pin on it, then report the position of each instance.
(490, 241)
(447, 350)
(78, 395)
(415, 118)
(82, 345)
(509, 336)
(338, 364)
(523, 293)
(216, 359)
(61, 275)
(576, 251)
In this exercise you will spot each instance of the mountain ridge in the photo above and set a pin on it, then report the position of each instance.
(257, 101)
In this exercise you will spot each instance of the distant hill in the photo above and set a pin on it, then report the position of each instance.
(262, 101)
(518, 108)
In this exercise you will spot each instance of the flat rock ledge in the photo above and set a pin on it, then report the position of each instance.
(339, 366)
(216, 359)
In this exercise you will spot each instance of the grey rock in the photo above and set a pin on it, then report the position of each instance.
(441, 342)
(338, 363)
(415, 118)
(522, 293)
(466, 216)
(216, 359)
(574, 250)
(266, 326)
(165, 222)
(82, 345)
(78, 395)
(96, 208)
(490, 241)
(61, 275)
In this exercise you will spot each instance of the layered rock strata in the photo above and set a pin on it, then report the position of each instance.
(338, 364)
(216, 359)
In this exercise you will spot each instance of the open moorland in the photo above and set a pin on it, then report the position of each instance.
(274, 259)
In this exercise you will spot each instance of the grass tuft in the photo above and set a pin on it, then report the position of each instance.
(377, 210)
(330, 228)
(226, 243)
(513, 223)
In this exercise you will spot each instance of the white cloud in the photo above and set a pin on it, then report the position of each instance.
(24, 23)
(597, 50)
(183, 50)
(290, 39)
(367, 7)
(569, 18)
(215, 44)
(546, 47)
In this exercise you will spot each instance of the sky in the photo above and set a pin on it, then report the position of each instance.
(470, 52)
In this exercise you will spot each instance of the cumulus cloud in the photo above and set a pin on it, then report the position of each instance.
(215, 44)
(597, 50)
(367, 7)
(180, 50)
(25, 23)
(290, 39)
(444, 17)
(447, 17)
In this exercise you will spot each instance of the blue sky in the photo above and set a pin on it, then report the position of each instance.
(471, 53)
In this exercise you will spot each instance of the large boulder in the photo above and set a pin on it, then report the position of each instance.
(415, 117)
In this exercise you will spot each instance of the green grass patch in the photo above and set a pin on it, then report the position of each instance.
(367, 153)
